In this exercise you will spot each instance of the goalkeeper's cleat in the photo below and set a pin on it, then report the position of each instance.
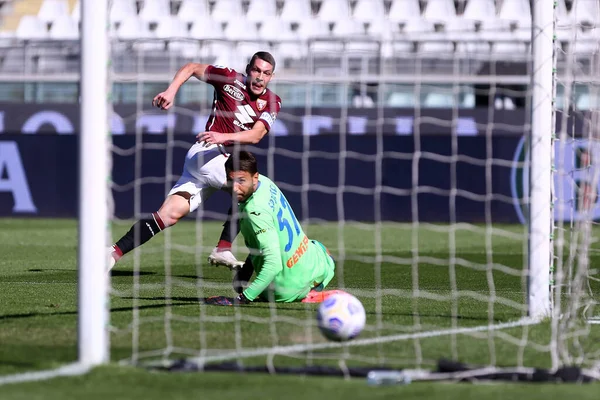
(224, 258)
(315, 296)
(219, 301)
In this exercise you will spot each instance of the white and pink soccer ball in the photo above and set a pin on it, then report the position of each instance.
(341, 317)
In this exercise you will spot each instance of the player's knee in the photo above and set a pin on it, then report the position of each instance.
(175, 207)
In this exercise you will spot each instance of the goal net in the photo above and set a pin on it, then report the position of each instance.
(447, 163)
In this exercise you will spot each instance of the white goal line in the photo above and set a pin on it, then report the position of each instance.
(66, 370)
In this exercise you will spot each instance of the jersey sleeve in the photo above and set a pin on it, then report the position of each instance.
(268, 244)
(217, 75)
(269, 116)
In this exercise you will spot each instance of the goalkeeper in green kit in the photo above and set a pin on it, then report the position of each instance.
(288, 265)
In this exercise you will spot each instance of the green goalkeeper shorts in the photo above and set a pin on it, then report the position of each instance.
(330, 267)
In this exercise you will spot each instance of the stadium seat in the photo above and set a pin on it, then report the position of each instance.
(154, 10)
(261, 10)
(402, 97)
(583, 102)
(224, 10)
(326, 46)
(121, 10)
(191, 10)
(562, 15)
(170, 27)
(312, 28)
(348, 27)
(506, 43)
(64, 28)
(468, 100)
(334, 10)
(587, 41)
(439, 99)
(273, 29)
(174, 30)
(585, 12)
(517, 11)
(440, 10)
(31, 27)
(437, 45)
(244, 33)
(296, 11)
(404, 10)
(413, 30)
(132, 28)
(468, 40)
(206, 28)
(276, 29)
(417, 28)
(354, 30)
(480, 10)
(76, 13)
(53, 9)
(369, 11)
(384, 31)
(238, 28)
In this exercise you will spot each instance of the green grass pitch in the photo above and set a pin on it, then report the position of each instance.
(38, 313)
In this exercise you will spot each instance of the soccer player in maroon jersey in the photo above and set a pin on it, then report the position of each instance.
(244, 110)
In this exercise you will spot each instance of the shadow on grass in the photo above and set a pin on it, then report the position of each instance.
(74, 312)
(282, 306)
(130, 273)
(209, 279)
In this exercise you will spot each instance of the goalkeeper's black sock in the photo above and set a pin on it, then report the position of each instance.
(229, 232)
(145, 228)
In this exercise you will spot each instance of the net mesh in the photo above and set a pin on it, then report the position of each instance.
(434, 287)
(576, 183)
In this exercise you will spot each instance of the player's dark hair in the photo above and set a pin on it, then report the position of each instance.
(241, 161)
(262, 55)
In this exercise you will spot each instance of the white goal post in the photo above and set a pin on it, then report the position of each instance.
(541, 152)
(94, 185)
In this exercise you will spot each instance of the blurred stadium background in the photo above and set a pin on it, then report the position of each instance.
(370, 40)
(346, 70)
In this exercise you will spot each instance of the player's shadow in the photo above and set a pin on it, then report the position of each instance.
(112, 310)
(130, 273)
(219, 280)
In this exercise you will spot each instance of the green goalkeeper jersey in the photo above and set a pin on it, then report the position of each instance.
(284, 259)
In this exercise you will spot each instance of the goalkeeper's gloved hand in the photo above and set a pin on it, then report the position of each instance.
(241, 299)
(227, 301)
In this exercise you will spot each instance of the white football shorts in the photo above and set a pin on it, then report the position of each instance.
(203, 173)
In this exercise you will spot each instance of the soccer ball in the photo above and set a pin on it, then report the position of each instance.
(341, 317)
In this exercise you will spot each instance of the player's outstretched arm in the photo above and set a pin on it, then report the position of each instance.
(164, 100)
(252, 136)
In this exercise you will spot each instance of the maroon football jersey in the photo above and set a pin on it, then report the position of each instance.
(233, 109)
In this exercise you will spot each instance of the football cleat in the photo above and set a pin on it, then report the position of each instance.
(111, 258)
(224, 258)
